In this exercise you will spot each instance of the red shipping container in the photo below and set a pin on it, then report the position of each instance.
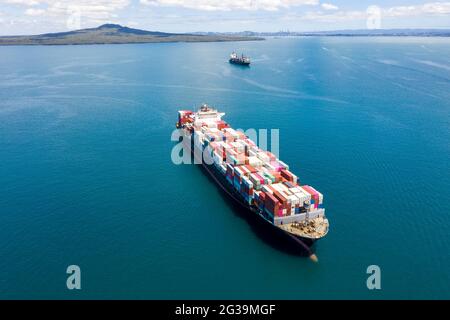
(271, 202)
(277, 176)
(262, 196)
(280, 197)
(287, 175)
(221, 125)
(314, 195)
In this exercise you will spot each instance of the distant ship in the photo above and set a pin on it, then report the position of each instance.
(254, 178)
(242, 60)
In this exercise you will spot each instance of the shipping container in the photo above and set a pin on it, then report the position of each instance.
(289, 176)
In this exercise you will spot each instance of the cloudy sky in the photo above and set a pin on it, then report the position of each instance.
(39, 16)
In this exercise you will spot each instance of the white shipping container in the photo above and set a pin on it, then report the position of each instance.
(283, 164)
(296, 189)
(269, 166)
(280, 187)
(301, 198)
(284, 187)
(239, 147)
(276, 186)
(306, 193)
(285, 196)
(264, 157)
(294, 200)
(254, 161)
(232, 132)
(294, 180)
(255, 149)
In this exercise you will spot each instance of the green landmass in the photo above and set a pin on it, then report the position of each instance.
(116, 34)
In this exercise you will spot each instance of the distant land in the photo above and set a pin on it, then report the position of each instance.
(116, 34)
(344, 33)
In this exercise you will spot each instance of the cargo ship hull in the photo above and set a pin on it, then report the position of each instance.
(239, 62)
(303, 243)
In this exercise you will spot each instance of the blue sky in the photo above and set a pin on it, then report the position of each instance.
(39, 16)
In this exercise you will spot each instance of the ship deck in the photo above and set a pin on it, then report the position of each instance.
(313, 229)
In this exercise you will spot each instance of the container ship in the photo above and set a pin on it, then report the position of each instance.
(258, 181)
(242, 60)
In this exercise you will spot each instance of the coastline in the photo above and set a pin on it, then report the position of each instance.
(29, 41)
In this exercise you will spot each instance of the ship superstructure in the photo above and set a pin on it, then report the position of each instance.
(242, 60)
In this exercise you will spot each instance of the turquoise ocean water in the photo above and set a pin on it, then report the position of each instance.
(86, 176)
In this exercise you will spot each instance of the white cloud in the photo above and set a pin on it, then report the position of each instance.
(427, 9)
(90, 9)
(23, 2)
(329, 6)
(34, 12)
(53, 14)
(227, 5)
(337, 16)
(433, 8)
(437, 7)
(87, 8)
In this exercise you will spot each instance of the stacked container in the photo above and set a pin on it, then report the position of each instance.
(258, 176)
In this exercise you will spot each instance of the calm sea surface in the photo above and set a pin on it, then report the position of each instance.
(86, 176)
